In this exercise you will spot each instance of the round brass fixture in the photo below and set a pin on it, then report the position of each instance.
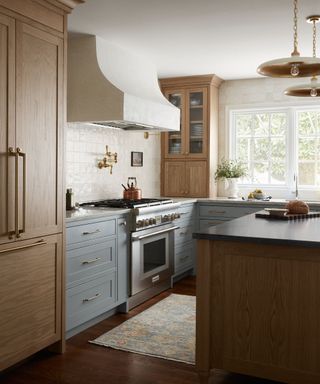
(295, 65)
(311, 89)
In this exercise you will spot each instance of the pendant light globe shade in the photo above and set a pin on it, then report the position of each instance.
(293, 66)
(311, 89)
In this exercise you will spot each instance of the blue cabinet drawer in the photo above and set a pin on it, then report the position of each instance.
(187, 213)
(86, 301)
(183, 234)
(225, 211)
(91, 231)
(85, 262)
(184, 258)
(204, 224)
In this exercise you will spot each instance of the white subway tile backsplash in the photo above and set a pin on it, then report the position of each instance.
(86, 145)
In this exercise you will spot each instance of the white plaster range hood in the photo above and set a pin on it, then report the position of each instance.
(109, 86)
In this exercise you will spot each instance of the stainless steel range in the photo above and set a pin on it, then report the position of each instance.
(151, 228)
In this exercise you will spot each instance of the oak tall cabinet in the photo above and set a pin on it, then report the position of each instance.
(189, 156)
(32, 116)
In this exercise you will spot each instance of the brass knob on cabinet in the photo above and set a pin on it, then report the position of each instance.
(186, 153)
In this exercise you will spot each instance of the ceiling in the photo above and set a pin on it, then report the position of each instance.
(187, 37)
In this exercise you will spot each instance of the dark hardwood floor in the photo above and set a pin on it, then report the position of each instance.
(85, 363)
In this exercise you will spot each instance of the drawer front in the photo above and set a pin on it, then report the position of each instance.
(205, 224)
(91, 231)
(183, 234)
(184, 257)
(225, 211)
(86, 301)
(85, 262)
(187, 213)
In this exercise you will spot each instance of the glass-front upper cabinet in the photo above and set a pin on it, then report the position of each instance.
(175, 142)
(191, 141)
(196, 121)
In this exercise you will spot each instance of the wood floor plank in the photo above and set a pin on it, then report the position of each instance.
(85, 363)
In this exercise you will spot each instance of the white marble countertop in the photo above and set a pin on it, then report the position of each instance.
(93, 213)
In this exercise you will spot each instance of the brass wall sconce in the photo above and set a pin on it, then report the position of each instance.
(109, 160)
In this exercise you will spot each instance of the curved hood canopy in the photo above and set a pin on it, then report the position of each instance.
(110, 86)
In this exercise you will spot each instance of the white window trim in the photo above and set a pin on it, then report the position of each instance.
(287, 191)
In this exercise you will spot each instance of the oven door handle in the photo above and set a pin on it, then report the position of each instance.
(154, 233)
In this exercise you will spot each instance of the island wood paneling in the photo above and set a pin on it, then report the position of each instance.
(261, 312)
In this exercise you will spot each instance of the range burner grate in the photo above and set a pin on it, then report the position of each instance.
(123, 203)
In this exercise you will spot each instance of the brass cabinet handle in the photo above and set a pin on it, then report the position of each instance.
(124, 223)
(11, 152)
(184, 233)
(91, 298)
(184, 257)
(36, 244)
(91, 261)
(221, 212)
(24, 173)
(91, 233)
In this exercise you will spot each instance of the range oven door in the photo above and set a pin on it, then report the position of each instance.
(152, 252)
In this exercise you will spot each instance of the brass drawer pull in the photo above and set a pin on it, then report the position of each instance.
(38, 243)
(91, 233)
(184, 233)
(92, 298)
(184, 257)
(220, 212)
(124, 223)
(91, 261)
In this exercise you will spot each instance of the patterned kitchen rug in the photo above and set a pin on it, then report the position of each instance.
(165, 330)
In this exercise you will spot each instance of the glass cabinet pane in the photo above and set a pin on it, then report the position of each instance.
(196, 122)
(174, 138)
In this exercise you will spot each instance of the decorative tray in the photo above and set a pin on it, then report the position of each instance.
(286, 216)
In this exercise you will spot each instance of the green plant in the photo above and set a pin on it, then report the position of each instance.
(228, 169)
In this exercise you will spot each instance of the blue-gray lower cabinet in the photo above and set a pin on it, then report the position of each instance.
(184, 245)
(97, 270)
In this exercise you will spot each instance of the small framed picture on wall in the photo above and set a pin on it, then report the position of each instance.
(136, 159)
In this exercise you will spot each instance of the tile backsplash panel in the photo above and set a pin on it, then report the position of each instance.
(86, 145)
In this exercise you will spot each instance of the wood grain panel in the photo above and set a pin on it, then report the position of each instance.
(39, 127)
(264, 310)
(7, 137)
(174, 178)
(30, 299)
(196, 178)
(36, 11)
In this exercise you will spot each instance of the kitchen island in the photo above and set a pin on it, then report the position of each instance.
(258, 299)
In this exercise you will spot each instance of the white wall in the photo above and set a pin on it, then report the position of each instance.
(85, 146)
(260, 92)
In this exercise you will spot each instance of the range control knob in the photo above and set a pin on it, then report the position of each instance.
(165, 218)
(152, 221)
(177, 215)
(140, 223)
(146, 222)
(172, 216)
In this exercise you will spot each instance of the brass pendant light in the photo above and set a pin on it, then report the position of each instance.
(311, 89)
(295, 65)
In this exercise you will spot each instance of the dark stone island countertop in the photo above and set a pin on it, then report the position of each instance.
(303, 232)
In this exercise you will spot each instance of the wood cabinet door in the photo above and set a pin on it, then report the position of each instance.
(30, 297)
(196, 179)
(174, 178)
(39, 120)
(174, 145)
(7, 138)
(196, 124)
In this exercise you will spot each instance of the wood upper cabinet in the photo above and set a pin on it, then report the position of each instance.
(39, 124)
(31, 104)
(194, 147)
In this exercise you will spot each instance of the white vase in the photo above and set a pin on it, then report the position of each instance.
(232, 188)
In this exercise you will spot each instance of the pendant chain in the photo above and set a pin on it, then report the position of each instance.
(295, 28)
(314, 38)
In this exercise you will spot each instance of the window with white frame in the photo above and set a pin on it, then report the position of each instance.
(276, 145)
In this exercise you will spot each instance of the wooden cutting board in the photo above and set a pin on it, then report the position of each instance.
(288, 216)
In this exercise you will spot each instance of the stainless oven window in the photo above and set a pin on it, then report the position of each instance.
(154, 255)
